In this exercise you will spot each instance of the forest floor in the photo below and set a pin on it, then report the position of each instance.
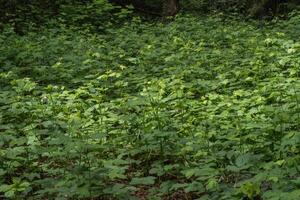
(196, 108)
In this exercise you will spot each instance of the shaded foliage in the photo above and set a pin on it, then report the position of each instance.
(252, 8)
(23, 15)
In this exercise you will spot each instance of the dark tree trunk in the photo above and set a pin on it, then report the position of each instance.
(262, 8)
(170, 7)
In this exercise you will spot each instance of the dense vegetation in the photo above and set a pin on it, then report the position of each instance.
(101, 103)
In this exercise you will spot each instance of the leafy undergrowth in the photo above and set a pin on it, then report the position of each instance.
(199, 108)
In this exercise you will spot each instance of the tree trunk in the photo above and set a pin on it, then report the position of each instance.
(170, 7)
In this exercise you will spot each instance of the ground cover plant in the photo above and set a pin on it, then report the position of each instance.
(191, 108)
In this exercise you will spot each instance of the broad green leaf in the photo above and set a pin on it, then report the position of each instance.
(149, 180)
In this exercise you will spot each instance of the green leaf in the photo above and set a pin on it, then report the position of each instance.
(150, 180)
(195, 187)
